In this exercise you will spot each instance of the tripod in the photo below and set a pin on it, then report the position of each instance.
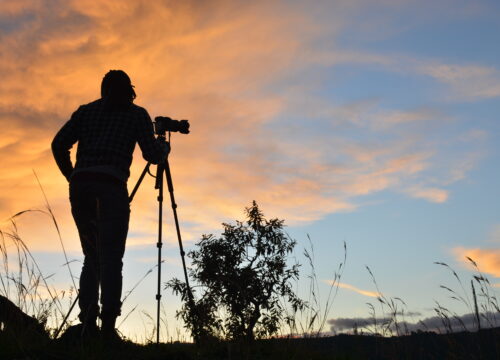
(163, 168)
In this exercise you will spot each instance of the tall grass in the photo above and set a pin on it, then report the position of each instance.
(482, 304)
(389, 315)
(48, 211)
(311, 320)
(23, 282)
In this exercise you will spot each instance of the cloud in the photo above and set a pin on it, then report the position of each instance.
(488, 260)
(390, 119)
(435, 195)
(353, 288)
(466, 81)
(187, 58)
(259, 129)
(434, 323)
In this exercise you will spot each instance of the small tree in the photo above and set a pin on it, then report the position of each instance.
(244, 274)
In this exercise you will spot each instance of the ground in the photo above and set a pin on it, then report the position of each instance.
(482, 345)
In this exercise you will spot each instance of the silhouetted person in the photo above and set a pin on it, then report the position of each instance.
(106, 131)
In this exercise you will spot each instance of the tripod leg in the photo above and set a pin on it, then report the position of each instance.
(159, 244)
(190, 297)
(177, 228)
(66, 317)
(136, 187)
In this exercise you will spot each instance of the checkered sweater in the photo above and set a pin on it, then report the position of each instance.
(106, 139)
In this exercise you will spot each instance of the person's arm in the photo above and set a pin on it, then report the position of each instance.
(152, 150)
(63, 142)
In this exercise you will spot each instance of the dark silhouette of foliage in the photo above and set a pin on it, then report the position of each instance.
(245, 280)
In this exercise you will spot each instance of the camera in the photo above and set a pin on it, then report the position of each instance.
(163, 124)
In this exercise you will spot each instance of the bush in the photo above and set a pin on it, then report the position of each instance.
(244, 277)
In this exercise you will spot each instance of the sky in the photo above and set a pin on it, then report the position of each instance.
(372, 123)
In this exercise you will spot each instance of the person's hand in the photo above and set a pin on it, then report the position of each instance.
(165, 145)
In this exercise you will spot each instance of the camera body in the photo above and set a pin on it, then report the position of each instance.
(162, 124)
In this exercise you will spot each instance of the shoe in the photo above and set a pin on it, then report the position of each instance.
(110, 337)
(80, 333)
(90, 331)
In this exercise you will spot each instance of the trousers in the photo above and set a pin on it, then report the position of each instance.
(101, 211)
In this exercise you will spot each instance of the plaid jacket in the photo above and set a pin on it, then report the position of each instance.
(106, 138)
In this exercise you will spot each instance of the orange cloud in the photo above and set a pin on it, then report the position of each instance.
(488, 260)
(186, 59)
(353, 288)
(430, 194)
(235, 69)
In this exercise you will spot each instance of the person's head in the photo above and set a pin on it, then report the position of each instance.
(117, 89)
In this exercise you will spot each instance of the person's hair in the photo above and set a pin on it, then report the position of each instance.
(117, 90)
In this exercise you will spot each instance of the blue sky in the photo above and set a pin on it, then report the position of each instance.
(373, 123)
